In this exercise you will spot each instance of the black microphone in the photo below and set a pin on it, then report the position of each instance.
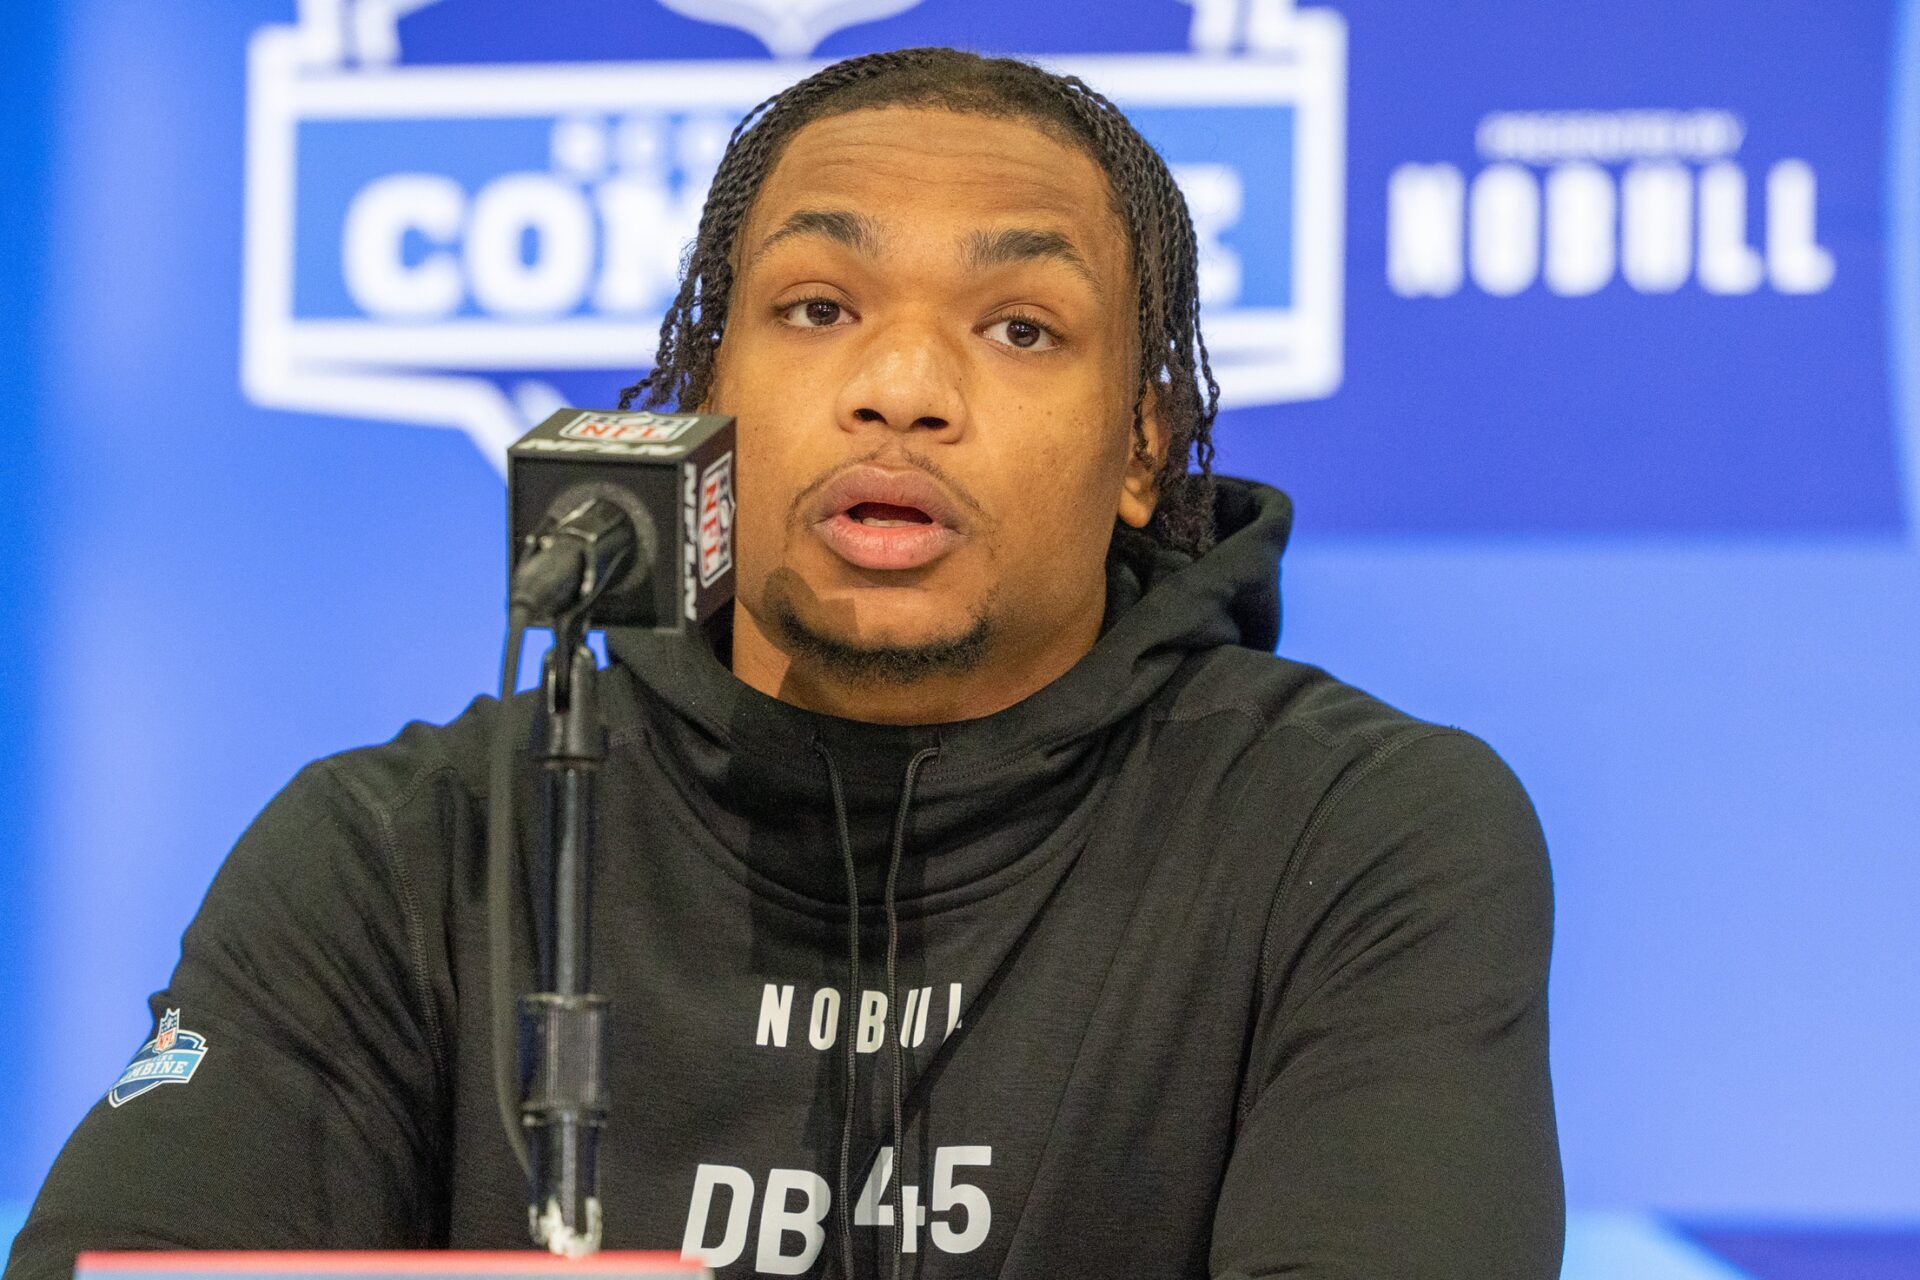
(626, 516)
(614, 519)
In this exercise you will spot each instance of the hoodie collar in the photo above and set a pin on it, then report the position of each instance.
(1001, 784)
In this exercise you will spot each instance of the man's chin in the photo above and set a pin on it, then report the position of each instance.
(843, 654)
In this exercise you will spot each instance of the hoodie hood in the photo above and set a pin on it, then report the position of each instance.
(1000, 783)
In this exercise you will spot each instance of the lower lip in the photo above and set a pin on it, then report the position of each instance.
(904, 546)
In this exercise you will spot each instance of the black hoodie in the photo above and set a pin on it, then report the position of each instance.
(1204, 963)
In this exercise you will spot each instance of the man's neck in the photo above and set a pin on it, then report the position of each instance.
(1005, 676)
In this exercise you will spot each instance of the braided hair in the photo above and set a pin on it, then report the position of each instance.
(1172, 364)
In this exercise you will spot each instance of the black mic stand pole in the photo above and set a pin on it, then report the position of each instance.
(562, 1029)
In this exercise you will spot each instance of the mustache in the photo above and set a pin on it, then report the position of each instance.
(891, 454)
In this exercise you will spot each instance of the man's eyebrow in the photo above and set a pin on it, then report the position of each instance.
(854, 230)
(985, 249)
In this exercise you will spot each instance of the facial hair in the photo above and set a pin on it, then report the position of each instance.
(877, 664)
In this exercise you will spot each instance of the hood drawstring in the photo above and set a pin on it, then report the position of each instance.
(849, 1025)
(849, 1021)
(896, 1032)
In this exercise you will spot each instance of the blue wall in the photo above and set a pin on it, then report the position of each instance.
(28, 60)
(1657, 547)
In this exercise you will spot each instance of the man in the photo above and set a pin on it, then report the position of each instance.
(989, 832)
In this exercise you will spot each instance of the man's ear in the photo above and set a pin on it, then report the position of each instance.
(1139, 490)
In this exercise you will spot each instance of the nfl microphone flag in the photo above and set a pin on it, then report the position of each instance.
(672, 473)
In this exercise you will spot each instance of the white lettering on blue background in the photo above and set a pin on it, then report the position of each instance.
(1573, 201)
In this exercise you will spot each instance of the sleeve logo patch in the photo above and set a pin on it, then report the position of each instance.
(171, 1057)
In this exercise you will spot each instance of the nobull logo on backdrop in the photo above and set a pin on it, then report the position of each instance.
(473, 244)
(1574, 200)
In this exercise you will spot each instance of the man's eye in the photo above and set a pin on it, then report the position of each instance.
(1027, 335)
(813, 313)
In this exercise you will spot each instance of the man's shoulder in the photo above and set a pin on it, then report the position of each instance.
(1346, 798)
(1280, 696)
(1308, 740)
(425, 760)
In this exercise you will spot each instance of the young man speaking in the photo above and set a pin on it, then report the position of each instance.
(986, 899)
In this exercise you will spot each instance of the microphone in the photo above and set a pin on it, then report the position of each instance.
(615, 518)
(624, 517)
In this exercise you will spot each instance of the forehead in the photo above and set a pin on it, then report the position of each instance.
(926, 167)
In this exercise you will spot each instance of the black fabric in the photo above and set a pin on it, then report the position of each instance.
(1207, 963)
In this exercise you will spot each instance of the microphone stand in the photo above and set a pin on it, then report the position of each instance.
(563, 1074)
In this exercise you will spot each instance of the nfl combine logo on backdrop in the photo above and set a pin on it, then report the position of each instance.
(449, 244)
(171, 1057)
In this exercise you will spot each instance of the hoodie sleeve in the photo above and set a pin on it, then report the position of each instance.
(1397, 1118)
(310, 1118)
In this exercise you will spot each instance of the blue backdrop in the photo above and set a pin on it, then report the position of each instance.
(1583, 334)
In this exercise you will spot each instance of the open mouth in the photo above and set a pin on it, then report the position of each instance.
(887, 518)
(885, 515)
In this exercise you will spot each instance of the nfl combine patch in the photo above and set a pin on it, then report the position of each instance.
(171, 1057)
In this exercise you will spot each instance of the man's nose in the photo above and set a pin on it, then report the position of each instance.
(907, 377)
